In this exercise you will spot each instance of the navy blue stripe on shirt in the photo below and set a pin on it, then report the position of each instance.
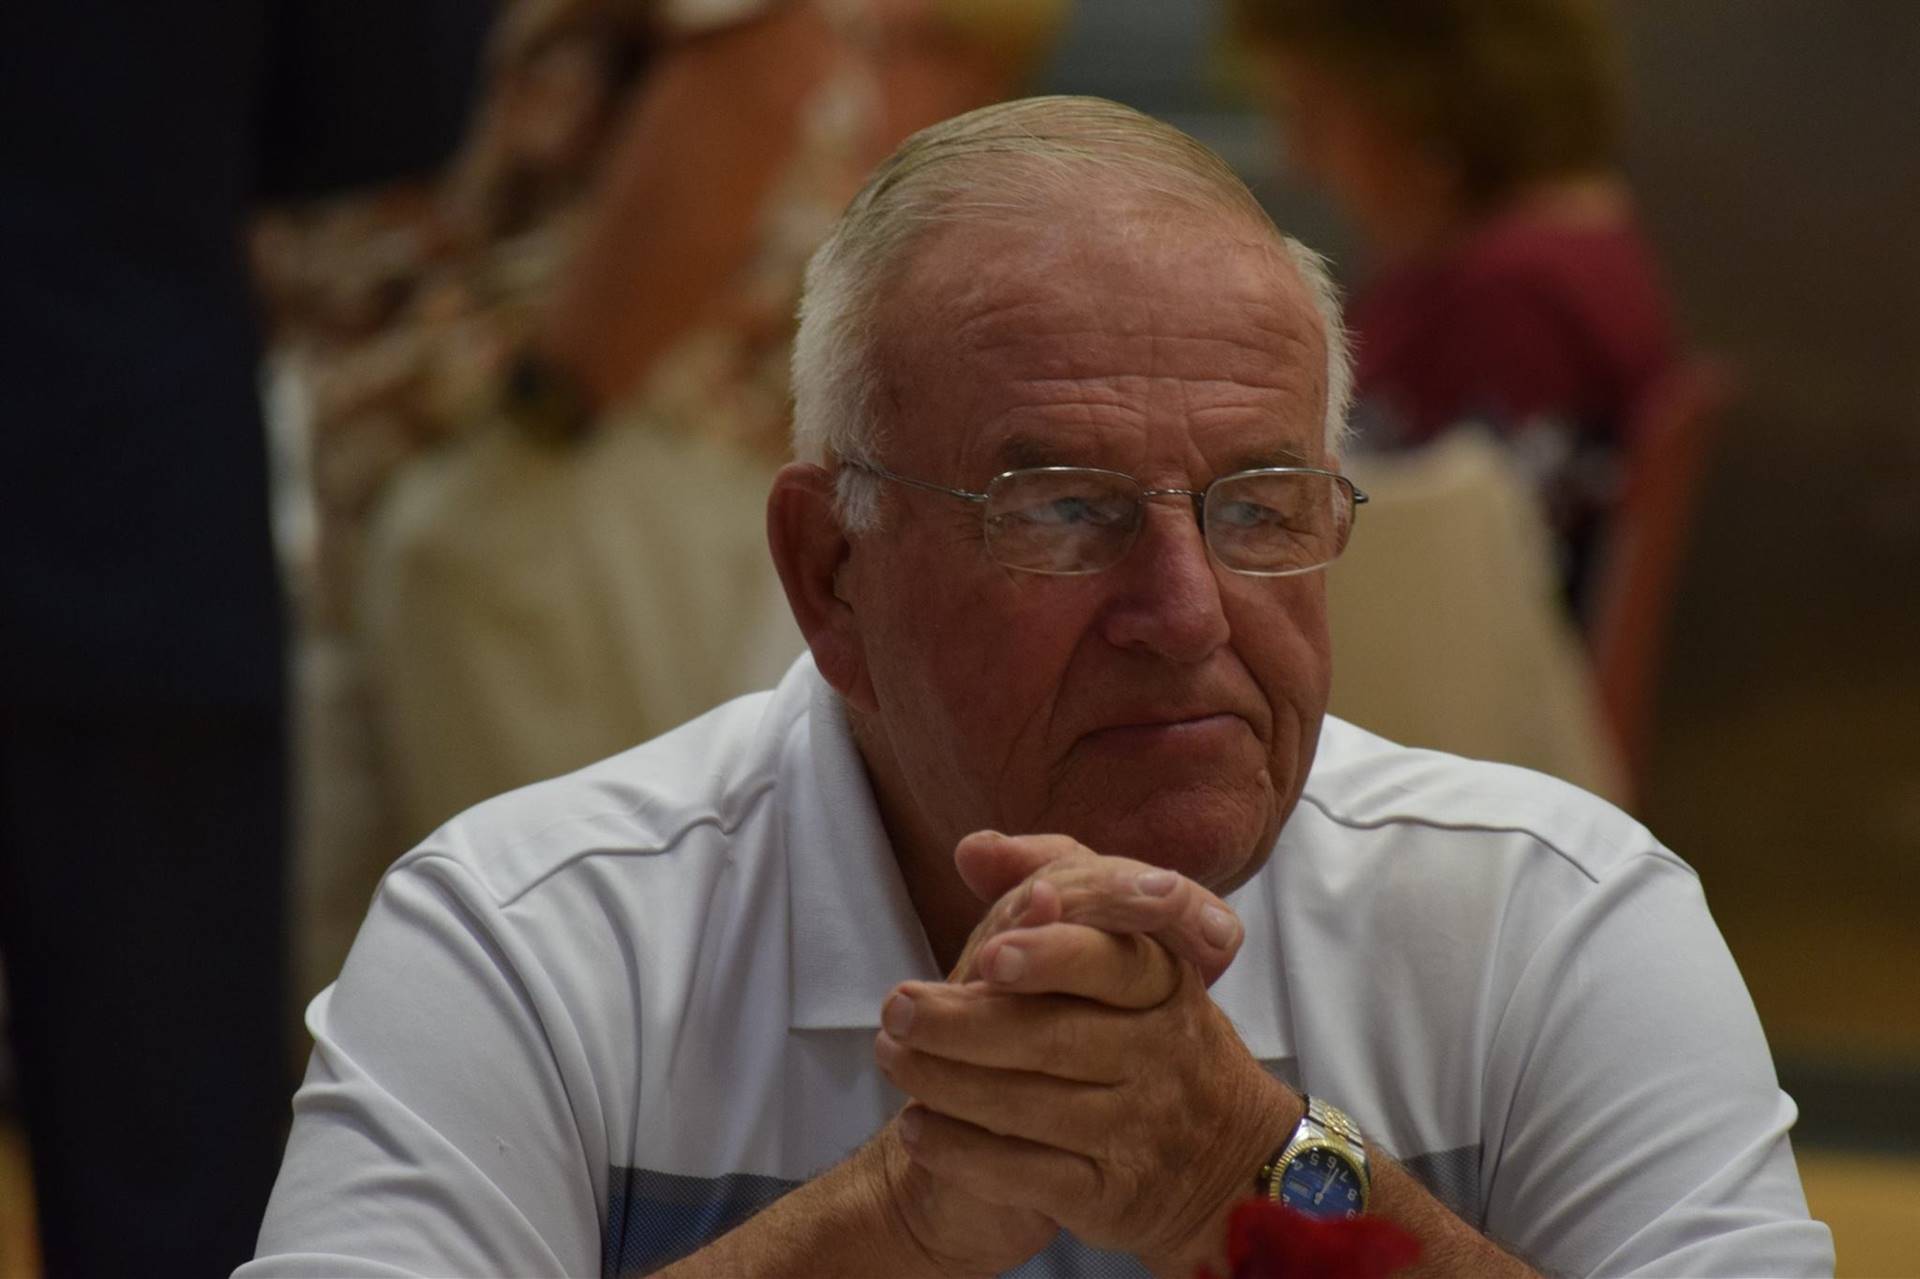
(656, 1218)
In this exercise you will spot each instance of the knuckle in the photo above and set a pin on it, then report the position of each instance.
(1126, 1185)
(1140, 966)
(1150, 976)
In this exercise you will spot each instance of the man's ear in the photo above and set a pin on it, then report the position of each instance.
(811, 552)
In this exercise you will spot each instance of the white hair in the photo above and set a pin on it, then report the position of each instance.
(1025, 156)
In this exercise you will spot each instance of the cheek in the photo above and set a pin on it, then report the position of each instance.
(1284, 642)
(1312, 662)
(978, 657)
(1004, 663)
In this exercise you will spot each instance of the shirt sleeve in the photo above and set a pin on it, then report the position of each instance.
(448, 1123)
(1639, 1127)
(1505, 351)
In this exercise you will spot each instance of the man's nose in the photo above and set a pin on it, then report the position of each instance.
(1166, 590)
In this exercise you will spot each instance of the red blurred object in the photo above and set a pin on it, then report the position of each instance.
(1267, 1241)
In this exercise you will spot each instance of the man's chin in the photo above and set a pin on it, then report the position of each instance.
(1215, 838)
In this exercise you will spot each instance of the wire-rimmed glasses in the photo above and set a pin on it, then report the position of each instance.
(1268, 522)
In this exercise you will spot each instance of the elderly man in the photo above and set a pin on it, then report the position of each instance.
(1069, 412)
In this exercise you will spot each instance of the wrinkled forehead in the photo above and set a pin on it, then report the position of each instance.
(1050, 246)
(983, 311)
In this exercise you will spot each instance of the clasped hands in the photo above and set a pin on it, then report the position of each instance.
(1073, 1070)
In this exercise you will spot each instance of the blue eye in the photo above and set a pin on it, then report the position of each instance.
(1076, 512)
(1248, 515)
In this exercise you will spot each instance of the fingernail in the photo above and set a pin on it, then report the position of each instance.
(910, 1125)
(1217, 926)
(1156, 883)
(897, 1016)
(1009, 964)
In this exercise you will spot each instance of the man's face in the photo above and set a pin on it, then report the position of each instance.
(1165, 709)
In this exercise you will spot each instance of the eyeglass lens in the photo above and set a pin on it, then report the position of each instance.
(1067, 520)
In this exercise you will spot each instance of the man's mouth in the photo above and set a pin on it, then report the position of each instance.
(1204, 732)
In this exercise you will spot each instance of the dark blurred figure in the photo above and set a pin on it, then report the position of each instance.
(1472, 143)
(142, 756)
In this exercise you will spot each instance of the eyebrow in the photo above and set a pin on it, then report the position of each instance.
(1275, 455)
(1019, 452)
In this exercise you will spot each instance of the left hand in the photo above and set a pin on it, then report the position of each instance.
(1030, 880)
(1103, 1089)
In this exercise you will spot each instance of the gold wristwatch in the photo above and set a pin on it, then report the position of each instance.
(1322, 1168)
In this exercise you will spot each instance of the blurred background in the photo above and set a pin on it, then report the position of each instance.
(1773, 147)
(486, 454)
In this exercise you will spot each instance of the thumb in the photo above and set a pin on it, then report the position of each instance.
(992, 864)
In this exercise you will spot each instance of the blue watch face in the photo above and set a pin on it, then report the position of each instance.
(1321, 1184)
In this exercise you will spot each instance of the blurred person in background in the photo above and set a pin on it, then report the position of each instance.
(522, 380)
(142, 752)
(1473, 145)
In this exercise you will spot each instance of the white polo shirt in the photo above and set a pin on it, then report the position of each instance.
(593, 1023)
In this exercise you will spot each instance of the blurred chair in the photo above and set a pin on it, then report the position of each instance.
(1448, 627)
(530, 610)
(1671, 439)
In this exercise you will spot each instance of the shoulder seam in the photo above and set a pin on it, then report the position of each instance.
(749, 803)
(1495, 828)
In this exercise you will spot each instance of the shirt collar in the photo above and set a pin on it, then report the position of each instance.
(854, 931)
(1253, 990)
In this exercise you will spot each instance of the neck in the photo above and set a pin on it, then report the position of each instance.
(947, 910)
